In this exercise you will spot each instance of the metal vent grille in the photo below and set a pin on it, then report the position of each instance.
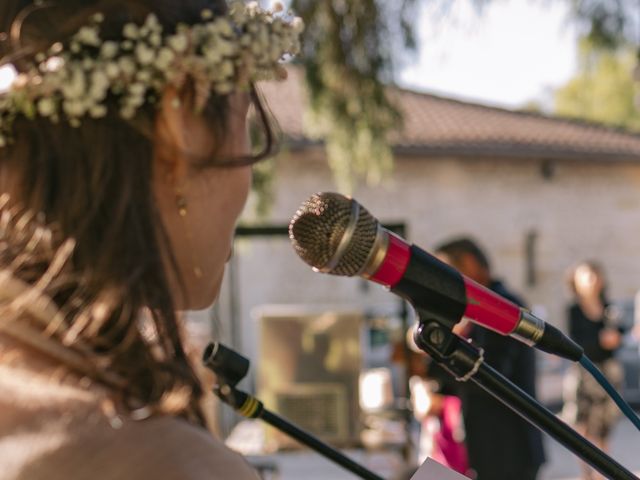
(321, 409)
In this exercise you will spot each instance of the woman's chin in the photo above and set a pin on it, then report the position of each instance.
(203, 299)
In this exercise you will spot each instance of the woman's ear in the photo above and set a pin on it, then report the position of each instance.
(171, 137)
(184, 136)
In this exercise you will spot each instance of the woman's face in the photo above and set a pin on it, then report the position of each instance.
(587, 281)
(200, 226)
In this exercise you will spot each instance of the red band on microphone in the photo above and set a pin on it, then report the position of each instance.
(394, 264)
(490, 309)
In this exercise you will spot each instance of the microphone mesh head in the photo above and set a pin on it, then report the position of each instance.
(320, 224)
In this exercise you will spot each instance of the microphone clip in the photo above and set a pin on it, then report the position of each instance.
(459, 357)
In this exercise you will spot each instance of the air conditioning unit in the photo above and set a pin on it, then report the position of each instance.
(308, 371)
(318, 408)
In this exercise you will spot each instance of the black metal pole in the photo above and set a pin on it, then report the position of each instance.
(250, 407)
(528, 408)
(320, 447)
(231, 368)
(465, 362)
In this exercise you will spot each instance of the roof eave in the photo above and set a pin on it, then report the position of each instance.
(492, 150)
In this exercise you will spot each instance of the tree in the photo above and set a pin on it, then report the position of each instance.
(348, 58)
(604, 90)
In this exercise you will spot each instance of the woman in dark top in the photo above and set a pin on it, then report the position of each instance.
(591, 326)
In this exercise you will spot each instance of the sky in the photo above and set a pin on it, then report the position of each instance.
(514, 52)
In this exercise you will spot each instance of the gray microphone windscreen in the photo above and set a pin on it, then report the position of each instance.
(319, 227)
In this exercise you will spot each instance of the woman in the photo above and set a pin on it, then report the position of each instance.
(124, 164)
(591, 326)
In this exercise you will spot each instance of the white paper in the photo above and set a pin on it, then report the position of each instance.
(432, 470)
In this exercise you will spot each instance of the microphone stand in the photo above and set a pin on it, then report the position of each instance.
(230, 367)
(465, 362)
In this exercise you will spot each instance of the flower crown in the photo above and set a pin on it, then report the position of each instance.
(219, 55)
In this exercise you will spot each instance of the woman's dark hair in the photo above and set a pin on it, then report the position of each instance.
(94, 183)
(458, 247)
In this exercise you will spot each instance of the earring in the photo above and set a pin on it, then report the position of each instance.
(183, 210)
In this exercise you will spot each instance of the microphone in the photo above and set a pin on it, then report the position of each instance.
(335, 234)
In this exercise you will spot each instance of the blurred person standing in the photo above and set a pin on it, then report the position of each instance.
(437, 407)
(500, 444)
(587, 405)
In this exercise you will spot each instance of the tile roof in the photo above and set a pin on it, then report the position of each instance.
(437, 126)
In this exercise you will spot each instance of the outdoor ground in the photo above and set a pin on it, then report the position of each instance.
(562, 464)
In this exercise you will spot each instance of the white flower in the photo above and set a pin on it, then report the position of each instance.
(54, 64)
(112, 70)
(227, 48)
(178, 42)
(155, 39)
(298, 25)
(143, 76)
(88, 36)
(73, 108)
(127, 65)
(207, 14)
(275, 53)
(213, 55)
(136, 101)
(109, 50)
(98, 17)
(46, 107)
(137, 89)
(277, 26)
(131, 31)
(76, 86)
(164, 59)
(224, 26)
(277, 7)
(99, 79)
(144, 54)
(226, 69)
(152, 23)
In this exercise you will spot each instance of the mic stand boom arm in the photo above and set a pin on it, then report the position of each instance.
(465, 362)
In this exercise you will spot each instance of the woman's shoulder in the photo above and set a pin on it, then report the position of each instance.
(162, 448)
(54, 429)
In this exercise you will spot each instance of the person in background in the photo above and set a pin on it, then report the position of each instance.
(124, 166)
(500, 444)
(593, 328)
(437, 407)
